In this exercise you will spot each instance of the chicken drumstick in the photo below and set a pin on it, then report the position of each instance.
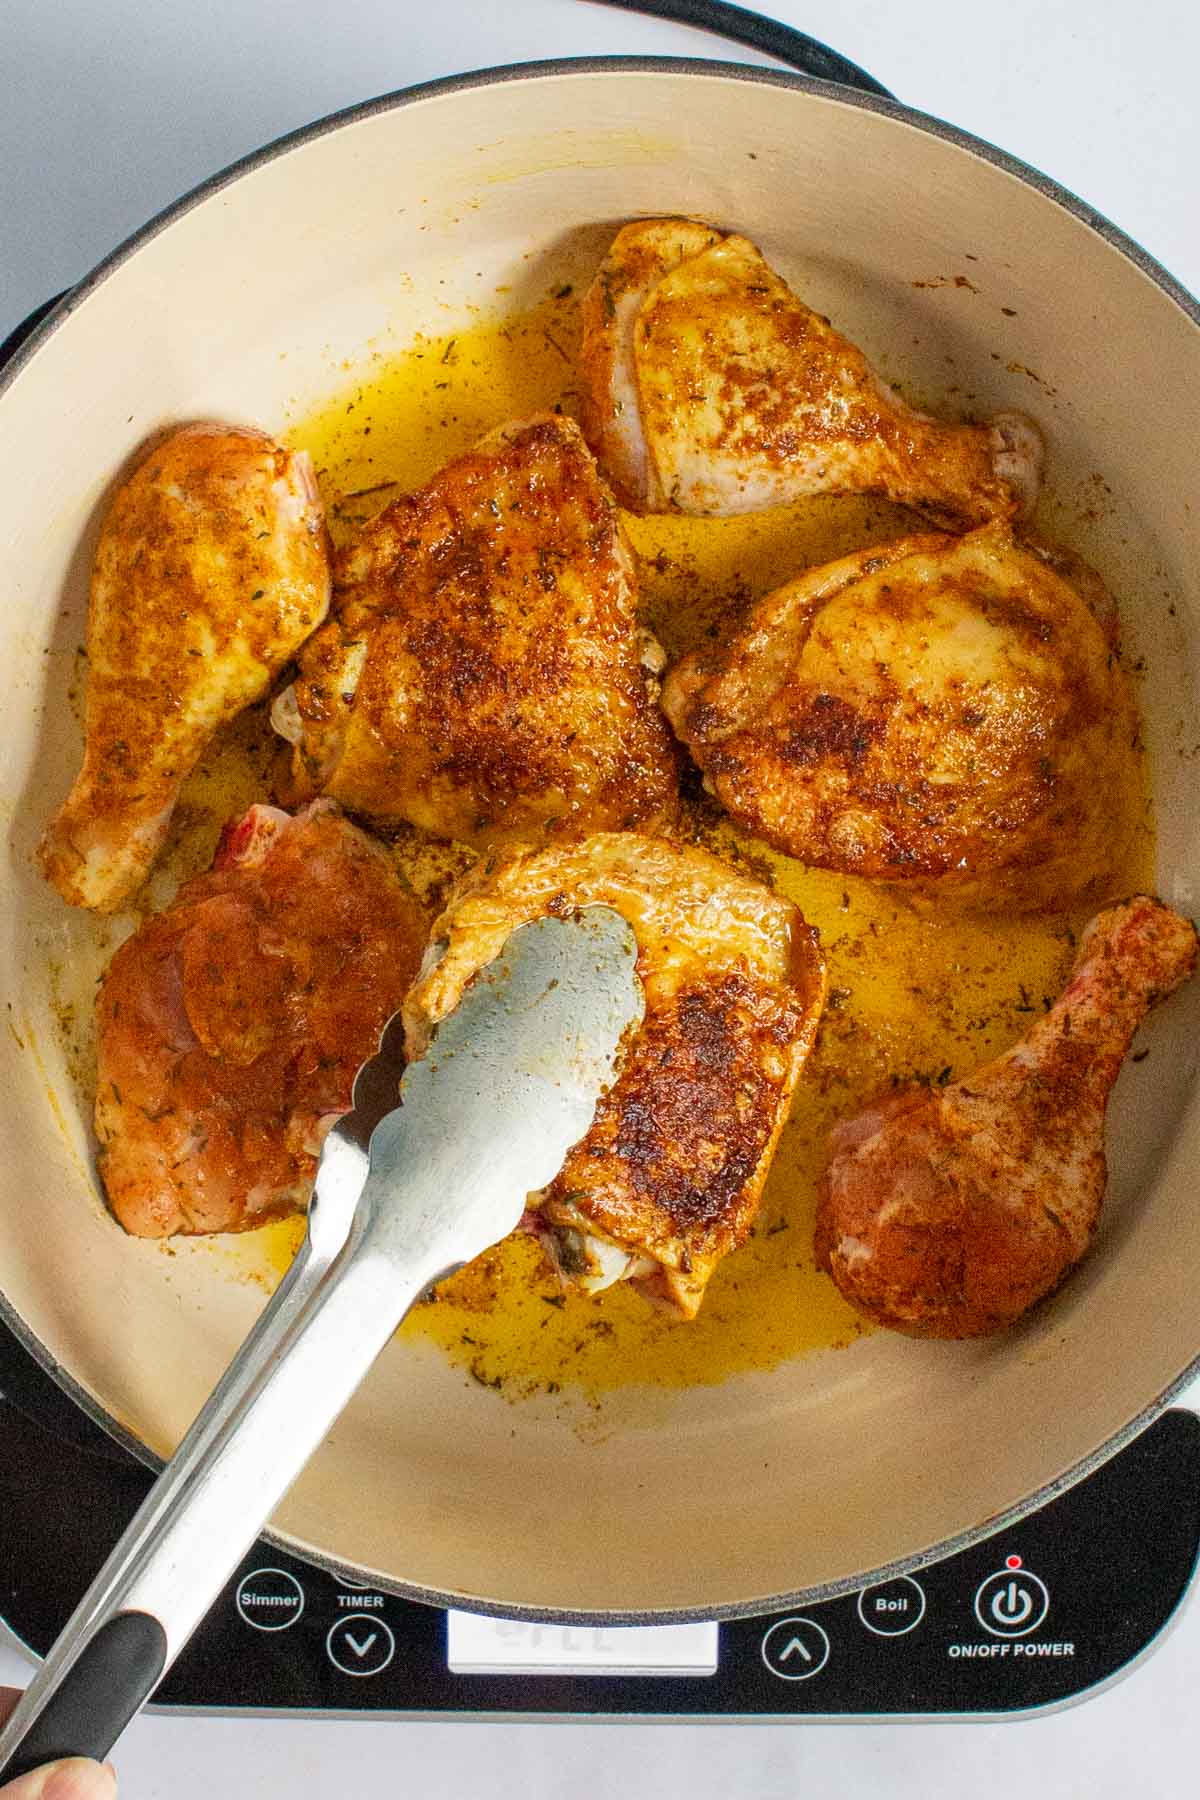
(211, 569)
(947, 1213)
(710, 388)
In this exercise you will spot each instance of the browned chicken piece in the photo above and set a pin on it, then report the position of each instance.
(709, 387)
(948, 1212)
(948, 713)
(231, 1025)
(211, 569)
(483, 675)
(667, 1180)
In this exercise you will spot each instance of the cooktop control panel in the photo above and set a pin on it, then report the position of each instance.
(1034, 1616)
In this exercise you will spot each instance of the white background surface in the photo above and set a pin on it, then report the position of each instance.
(111, 109)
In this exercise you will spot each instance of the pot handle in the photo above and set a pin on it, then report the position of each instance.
(737, 23)
(742, 26)
(16, 337)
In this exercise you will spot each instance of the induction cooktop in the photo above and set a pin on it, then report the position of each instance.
(1044, 1612)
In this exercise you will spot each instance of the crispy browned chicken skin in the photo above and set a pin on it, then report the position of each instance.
(709, 387)
(232, 1024)
(482, 675)
(667, 1180)
(211, 569)
(947, 1212)
(948, 713)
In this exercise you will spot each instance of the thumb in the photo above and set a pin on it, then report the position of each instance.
(77, 1778)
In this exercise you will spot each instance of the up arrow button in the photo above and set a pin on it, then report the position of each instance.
(795, 1649)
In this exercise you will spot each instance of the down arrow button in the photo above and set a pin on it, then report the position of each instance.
(359, 1644)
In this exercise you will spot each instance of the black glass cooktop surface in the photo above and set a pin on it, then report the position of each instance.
(1035, 1616)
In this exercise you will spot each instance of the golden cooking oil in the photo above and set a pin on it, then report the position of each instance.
(925, 996)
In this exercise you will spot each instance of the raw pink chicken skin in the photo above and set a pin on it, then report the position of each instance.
(231, 1025)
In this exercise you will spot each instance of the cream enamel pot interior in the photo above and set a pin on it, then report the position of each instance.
(245, 302)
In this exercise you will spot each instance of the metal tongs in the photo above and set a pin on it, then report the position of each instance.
(405, 1193)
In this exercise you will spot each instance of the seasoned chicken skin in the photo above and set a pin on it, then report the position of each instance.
(947, 1212)
(944, 712)
(482, 675)
(231, 1025)
(709, 387)
(668, 1179)
(211, 569)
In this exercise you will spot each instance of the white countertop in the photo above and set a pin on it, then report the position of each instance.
(112, 109)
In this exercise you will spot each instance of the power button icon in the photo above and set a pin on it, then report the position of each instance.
(1012, 1602)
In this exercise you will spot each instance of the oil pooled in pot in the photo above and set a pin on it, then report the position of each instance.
(927, 995)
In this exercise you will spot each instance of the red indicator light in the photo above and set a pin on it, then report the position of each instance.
(1012, 1562)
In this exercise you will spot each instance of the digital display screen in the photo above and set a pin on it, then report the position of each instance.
(476, 1646)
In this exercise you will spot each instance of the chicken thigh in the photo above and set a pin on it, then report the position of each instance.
(211, 569)
(710, 388)
(231, 1025)
(668, 1179)
(482, 675)
(947, 713)
(947, 1212)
